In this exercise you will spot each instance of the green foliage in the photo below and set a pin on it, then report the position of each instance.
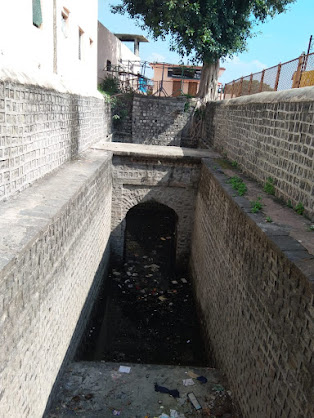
(299, 208)
(238, 184)
(204, 30)
(269, 187)
(234, 164)
(289, 204)
(187, 106)
(311, 228)
(269, 219)
(256, 205)
(110, 86)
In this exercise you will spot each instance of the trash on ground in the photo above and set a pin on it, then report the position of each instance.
(162, 389)
(188, 382)
(184, 280)
(176, 414)
(194, 401)
(202, 379)
(218, 388)
(116, 412)
(192, 374)
(162, 298)
(124, 369)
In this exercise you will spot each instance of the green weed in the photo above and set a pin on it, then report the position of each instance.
(269, 219)
(269, 187)
(256, 205)
(237, 184)
(299, 208)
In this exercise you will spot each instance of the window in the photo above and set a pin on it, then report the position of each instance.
(81, 32)
(37, 14)
(65, 22)
(108, 66)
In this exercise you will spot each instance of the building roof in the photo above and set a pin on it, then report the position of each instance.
(161, 64)
(130, 37)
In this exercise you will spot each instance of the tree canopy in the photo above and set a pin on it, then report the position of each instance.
(204, 30)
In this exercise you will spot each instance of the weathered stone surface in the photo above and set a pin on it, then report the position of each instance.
(53, 254)
(269, 135)
(257, 306)
(40, 129)
(160, 121)
(140, 179)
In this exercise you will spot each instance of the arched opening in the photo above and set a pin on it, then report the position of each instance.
(150, 314)
(151, 235)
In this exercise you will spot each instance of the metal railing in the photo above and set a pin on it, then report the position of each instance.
(296, 73)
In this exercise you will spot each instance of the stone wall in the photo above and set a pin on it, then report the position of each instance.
(51, 265)
(40, 129)
(269, 135)
(161, 120)
(254, 286)
(140, 179)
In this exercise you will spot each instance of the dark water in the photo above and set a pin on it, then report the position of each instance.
(147, 313)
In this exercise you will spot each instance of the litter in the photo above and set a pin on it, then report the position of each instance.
(162, 298)
(116, 412)
(192, 374)
(162, 389)
(194, 401)
(188, 382)
(184, 281)
(124, 369)
(163, 416)
(218, 388)
(176, 414)
(174, 282)
(202, 379)
(163, 239)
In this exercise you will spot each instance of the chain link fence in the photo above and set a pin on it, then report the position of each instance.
(296, 73)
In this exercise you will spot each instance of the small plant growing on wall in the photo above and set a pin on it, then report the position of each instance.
(269, 187)
(256, 205)
(237, 184)
(299, 208)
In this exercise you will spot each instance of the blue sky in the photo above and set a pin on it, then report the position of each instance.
(279, 40)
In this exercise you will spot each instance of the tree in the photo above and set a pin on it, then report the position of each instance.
(204, 30)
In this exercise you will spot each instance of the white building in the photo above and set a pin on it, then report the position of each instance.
(54, 40)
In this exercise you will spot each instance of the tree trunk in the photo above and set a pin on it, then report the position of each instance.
(208, 84)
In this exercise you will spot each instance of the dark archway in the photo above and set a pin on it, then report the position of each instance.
(151, 235)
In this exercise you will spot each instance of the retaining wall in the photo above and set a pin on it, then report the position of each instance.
(51, 265)
(269, 135)
(161, 121)
(41, 128)
(254, 285)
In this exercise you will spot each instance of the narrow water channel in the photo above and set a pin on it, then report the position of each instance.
(146, 312)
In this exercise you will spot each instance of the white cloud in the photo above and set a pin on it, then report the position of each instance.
(236, 68)
(155, 57)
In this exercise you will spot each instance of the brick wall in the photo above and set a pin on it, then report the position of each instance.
(172, 183)
(50, 270)
(254, 286)
(160, 120)
(40, 129)
(269, 135)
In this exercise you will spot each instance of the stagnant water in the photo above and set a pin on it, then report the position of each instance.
(146, 312)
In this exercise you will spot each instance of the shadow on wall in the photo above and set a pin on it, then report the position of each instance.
(82, 323)
(154, 120)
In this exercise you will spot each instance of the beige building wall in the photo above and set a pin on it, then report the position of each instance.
(110, 48)
(51, 52)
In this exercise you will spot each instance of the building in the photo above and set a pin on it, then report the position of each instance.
(174, 80)
(52, 40)
(115, 59)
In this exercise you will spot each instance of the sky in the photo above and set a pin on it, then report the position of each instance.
(278, 40)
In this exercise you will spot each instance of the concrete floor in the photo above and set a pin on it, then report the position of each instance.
(98, 389)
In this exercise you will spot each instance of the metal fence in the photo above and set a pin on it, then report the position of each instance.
(296, 73)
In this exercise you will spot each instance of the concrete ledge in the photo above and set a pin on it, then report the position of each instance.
(25, 215)
(155, 151)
